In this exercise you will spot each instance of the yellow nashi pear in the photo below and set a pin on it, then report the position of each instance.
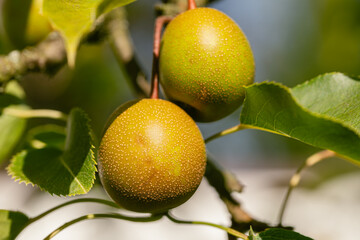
(205, 62)
(152, 156)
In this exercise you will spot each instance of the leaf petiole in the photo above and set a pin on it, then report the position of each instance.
(227, 229)
(150, 218)
(93, 200)
(81, 200)
(35, 113)
(295, 179)
(227, 132)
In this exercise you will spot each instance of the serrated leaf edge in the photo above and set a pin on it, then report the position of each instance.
(20, 180)
(14, 176)
(327, 118)
(91, 153)
(302, 107)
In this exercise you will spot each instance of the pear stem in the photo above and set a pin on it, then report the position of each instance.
(159, 23)
(191, 4)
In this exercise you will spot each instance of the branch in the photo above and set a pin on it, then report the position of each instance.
(122, 46)
(230, 231)
(225, 183)
(295, 179)
(174, 7)
(150, 218)
(48, 57)
(50, 54)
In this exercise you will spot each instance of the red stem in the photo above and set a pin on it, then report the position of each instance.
(160, 21)
(191, 4)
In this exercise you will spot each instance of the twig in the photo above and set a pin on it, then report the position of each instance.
(295, 179)
(81, 200)
(230, 231)
(122, 46)
(48, 57)
(225, 184)
(174, 7)
(150, 218)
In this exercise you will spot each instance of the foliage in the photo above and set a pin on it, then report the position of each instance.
(62, 13)
(58, 153)
(309, 112)
(11, 224)
(62, 164)
(277, 234)
(11, 127)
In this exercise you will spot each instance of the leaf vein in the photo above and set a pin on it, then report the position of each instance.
(72, 174)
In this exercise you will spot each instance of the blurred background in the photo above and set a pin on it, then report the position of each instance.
(293, 41)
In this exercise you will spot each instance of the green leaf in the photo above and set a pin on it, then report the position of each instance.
(11, 224)
(308, 114)
(14, 88)
(7, 100)
(11, 128)
(332, 95)
(252, 235)
(67, 172)
(47, 136)
(75, 18)
(108, 5)
(280, 234)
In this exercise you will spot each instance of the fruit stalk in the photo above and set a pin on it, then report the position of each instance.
(159, 23)
(191, 4)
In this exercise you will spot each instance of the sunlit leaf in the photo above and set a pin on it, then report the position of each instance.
(280, 234)
(11, 128)
(75, 18)
(108, 5)
(253, 236)
(11, 224)
(47, 136)
(69, 171)
(332, 95)
(324, 112)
